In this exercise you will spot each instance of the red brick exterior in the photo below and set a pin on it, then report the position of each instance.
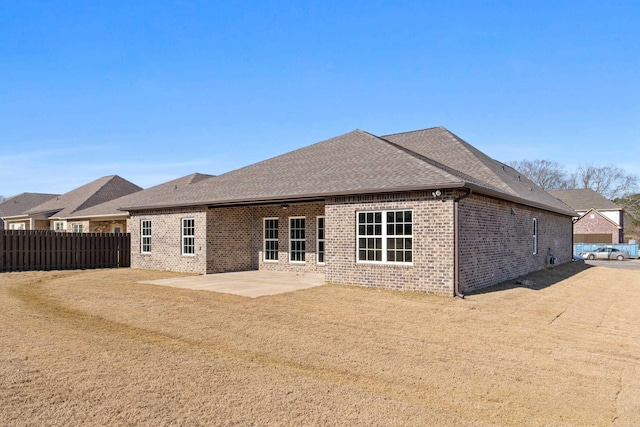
(594, 223)
(166, 241)
(432, 266)
(496, 240)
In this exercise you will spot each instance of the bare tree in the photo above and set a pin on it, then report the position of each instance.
(610, 181)
(549, 175)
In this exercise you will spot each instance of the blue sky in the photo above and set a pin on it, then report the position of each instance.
(152, 91)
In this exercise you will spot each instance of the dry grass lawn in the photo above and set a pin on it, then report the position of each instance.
(97, 348)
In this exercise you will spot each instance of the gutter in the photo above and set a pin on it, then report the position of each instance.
(319, 196)
(456, 244)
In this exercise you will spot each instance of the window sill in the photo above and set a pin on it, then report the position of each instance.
(401, 264)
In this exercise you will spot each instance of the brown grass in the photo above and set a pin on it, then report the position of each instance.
(96, 348)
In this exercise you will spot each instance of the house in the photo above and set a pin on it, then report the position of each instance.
(12, 210)
(599, 220)
(107, 217)
(421, 210)
(57, 212)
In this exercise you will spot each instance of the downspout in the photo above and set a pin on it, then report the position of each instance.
(456, 244)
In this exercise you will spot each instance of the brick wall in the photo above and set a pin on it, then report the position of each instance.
(230, 240)
(432, 267)
(496, 241)
(310, 211)
(106, 226)
(84, 223)
(594, 223)
(166, 241)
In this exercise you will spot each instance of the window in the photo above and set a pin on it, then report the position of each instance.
(188, 236)
(145, 236)
(296, 239)
(271, 239)
(400, 246)
(535, 236)
(320, 242)
(77, 228)
(59, 225)
(17, 226)
(385, 236)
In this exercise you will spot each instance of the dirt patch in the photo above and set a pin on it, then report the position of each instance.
(97, 348)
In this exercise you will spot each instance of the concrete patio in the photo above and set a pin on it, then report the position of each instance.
(251, 284)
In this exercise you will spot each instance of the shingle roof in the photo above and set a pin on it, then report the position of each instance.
(91, 194)
(144, 196)
(359, 162)
(445, 147)
(18, 205)
(584, 199)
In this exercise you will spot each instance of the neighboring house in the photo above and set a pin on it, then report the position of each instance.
(108, 218)
(57, 213)
(12, 210)
(420, 210)
(599, 220)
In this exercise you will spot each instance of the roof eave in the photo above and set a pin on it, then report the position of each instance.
(522, 201)
(319, 196)
(116, 215)
(291, 198)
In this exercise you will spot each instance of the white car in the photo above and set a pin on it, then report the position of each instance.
(606, 253)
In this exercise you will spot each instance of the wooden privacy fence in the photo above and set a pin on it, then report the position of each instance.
(26, 250)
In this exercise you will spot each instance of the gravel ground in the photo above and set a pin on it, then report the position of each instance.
(97, 348)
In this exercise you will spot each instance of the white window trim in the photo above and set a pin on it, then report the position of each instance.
(384, 237)
(17, 226)
(63, 223)
(298, 240)
(77, 225)
(184, 236)
(265, 240)
(318, 239)
(143, 236)
(535, 236)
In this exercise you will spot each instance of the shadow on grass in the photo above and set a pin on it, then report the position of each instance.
(538, 280)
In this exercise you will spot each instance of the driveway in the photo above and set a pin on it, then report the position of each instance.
(629, 264)
(251, 284)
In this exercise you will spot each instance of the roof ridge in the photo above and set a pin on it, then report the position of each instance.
(227, 173)
(480, 155)
(436, 163)
(413, 131)
(85, 204)
(94, 198)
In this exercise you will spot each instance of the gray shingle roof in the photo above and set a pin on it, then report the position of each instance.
(112, 207)
(91, 194)
(18, 205)
(584, 199)
(359, 162)
(445, 147)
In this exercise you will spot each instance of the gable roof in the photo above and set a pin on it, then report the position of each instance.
(444, 146)
(91, 194)
(596, 212)
(358, 163)
(584, 199)
(112, 207)
(18, 205)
